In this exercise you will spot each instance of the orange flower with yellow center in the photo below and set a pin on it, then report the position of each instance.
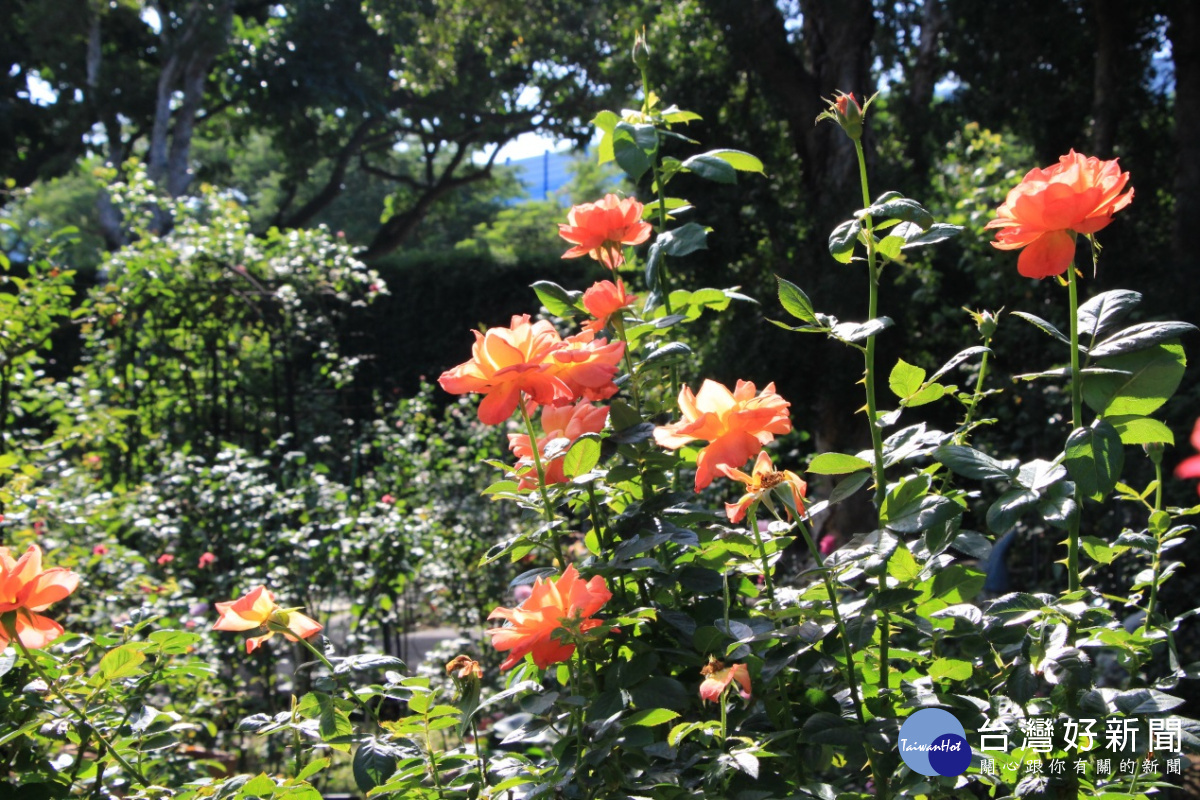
(506, 362)
(759, 485)
(735, 424)
(567, 601)
(258, 609)
(602, 229)
(25, 589)
(1049, 206)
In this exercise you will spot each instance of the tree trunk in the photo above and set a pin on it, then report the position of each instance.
(1184, 32)
(1104, 85)
(834, 54)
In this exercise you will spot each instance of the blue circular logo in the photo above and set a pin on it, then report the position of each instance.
(933, 742)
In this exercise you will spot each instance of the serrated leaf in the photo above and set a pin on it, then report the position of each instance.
(1140, 337)
(669, 353)
(971, 463)
(121, 662)
(651, 717)
(1099, 315)
(837, 464)
(841, 241)
(1043, 326)
(796, 302)
(683, 240)
(739, 160)
(859, 331)
(905, 379)
(915, 236)
(374, 762)
(711, 167)
(1094, 459)
(926, 514)
(583, 457)
(1004, 513)
(889, 247)
(1151, 377)
(1134, 429)
(951, 669)
(892, 206)
(557, 300)
(1099, 550)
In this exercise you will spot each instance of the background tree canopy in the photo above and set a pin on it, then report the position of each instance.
(383, 119)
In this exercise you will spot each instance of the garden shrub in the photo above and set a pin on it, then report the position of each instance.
(652, 646)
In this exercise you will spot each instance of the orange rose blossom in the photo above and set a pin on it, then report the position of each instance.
(1044, 211)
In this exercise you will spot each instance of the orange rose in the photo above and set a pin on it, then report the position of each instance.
(1044, 211)
(601, 230)
(258, 609)
(25, 589)
(735, 424)
(567, 599)
(568, 422)
(759, 485)
(587, 365)
(506, 362)
(604, 299)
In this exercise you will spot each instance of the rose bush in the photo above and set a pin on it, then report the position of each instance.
(643, 602)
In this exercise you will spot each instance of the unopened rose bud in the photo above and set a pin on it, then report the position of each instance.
(847, 113)
(641, 50)
(1155, 451)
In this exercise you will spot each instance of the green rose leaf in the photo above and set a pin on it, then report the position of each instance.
(837, 464)
(1094, 459)
(1150, 377)
(796, 302)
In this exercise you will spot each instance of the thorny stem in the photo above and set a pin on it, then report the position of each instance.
(975, 396)
(312, 648)
(483, 776)
(830, 590)
(1076, 423)
(873, 270)
(752, 515)
(541, 474)
(619, 324)
(78, 712)
(1158, 477)
(663, 288)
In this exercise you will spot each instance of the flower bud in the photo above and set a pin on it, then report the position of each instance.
(1155, 451)
(985, 321)
(641, 50)
(846, 111)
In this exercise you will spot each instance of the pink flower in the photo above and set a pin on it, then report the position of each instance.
(164, 559)
(206, 559)
(100, 550)
(387, 499)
